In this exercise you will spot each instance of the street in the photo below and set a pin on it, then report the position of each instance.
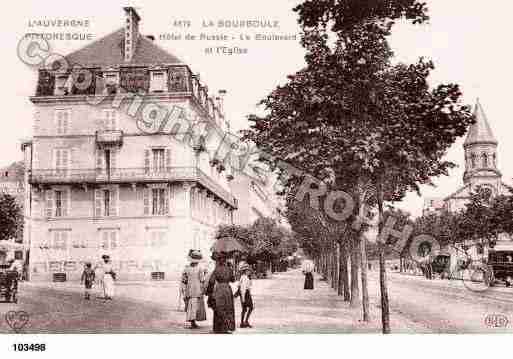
(281, 306)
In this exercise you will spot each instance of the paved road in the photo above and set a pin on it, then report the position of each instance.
(442, 306)
(282, 306)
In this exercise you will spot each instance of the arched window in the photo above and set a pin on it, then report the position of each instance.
(494, 160)
(485, 160)
(473, 160)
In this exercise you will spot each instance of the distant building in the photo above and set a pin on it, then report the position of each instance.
(481, 170)
(12, 181)
(481, 163)
(254, 189)
(433, 206)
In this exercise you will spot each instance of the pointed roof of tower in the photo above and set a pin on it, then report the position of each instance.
(480, 131)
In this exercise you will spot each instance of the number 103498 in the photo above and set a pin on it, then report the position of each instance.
(25, 347)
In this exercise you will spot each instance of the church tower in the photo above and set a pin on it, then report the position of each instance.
(481, 154)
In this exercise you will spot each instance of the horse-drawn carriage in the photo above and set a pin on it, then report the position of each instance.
(8, 284)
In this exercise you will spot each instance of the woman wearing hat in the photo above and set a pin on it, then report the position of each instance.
(193, 279)
(221, 296)
(308, 268)
(108, 277)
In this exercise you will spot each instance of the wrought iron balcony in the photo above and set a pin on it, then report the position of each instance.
(109, 137)
(129, 176)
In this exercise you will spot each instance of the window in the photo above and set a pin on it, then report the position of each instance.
(159, 201)
(61, 161)
(111, 83)
(110, 120)
(60, 239)
(157, 238)
(106, 160)
(157, 160)
(61, 85)
(62, 120)
(473, 160)
(485, 160)
(156, 201)
(106, 202)
(158, 81)
(109, 239)
(57, 203)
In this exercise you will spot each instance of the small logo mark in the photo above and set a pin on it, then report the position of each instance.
(496, 321)
(17, 319)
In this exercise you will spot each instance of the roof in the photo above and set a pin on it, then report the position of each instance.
(107, 51)
(480, 131)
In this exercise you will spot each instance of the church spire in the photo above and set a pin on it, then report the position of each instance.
(480, 132)
(481, 152)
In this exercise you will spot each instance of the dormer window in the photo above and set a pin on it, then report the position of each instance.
(61, 85)
(158, 81)
(111, 83)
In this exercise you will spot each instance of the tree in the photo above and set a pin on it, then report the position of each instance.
(11, 218)
(354, 121)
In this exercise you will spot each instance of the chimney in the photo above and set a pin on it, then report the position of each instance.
(131, 32)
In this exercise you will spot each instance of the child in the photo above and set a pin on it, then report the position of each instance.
(87, 279)
(246, 299)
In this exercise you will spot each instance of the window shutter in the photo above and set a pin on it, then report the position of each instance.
(105, 240)
(168, 159)
(113, 202)
(113, 158)
(65, 121)
(146, 201)
(65, 203)
(166, 201)
(113, 239)
(146, 161)
(71, 159)
(49, 203)
(64, 240)
(99, 160)
(65, 160)
(98, 202)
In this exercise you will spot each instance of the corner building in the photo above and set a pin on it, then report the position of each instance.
(102, 179)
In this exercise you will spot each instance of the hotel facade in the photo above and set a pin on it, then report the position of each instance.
(107, 174)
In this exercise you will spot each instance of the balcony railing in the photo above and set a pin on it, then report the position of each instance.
(109, 137)
(129, 175)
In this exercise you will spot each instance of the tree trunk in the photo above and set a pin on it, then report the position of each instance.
(355, 288)
(385, 310)
(333, 268)
(365, 289)
(343, 278)
(363, 254)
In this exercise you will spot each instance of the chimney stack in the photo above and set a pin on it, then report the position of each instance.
(131, 32)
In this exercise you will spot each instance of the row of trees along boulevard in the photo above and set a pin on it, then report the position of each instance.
(357, 123)
(265, 242)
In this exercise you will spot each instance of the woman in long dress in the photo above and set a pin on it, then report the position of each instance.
(108, 278)
(193, 279)
(308, 268)
(221, 297)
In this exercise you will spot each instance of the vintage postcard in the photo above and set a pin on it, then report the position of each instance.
(271, 167)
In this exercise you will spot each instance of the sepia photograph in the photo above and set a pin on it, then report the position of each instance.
(273, 167)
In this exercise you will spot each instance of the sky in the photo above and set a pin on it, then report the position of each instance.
(469, 43)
